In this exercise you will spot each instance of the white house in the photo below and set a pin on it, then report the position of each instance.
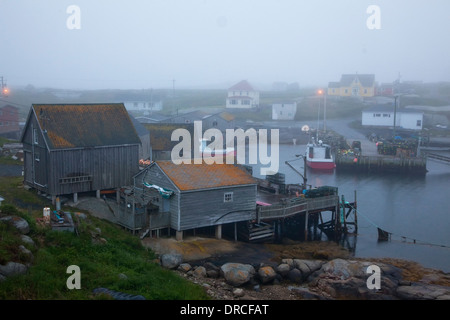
(284, 111)
(383, 116)
(242, 95)
(145, 106)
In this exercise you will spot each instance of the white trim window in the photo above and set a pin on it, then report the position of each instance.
(35, 136)
(228, 197)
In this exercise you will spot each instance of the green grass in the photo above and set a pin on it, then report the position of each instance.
(100, 262)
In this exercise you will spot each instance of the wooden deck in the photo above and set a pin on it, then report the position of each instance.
(293, 207)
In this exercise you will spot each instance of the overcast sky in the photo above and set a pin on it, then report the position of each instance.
(140, 44)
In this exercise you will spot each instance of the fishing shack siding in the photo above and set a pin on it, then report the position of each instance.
(153, 175)
(208, 207)
(101, 168)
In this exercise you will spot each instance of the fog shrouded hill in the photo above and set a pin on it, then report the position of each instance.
(137, 44)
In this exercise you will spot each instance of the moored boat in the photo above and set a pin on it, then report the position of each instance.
(318, 156)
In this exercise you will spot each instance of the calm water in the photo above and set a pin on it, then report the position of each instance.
(406, 206)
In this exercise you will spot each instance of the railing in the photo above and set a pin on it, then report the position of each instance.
(288, 210)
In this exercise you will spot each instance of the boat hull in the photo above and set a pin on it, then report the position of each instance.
(321, 165)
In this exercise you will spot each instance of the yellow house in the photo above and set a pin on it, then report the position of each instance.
(353, 85)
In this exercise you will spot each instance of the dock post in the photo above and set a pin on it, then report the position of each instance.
(306, 225)
(219, 231)
(356, 215)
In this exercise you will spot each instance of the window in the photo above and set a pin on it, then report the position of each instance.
(386, 115)
(228, 197)
(35, 136)
(246, 102)
(419, 123)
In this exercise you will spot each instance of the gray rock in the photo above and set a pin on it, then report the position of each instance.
(283, 269)
(295, 276)
(171, 260)
(303, 267)
(237, 274)
(266, 274)
(18, 222)
(345, 269)
(12, 269)
(200, 272)
(26, 252)
(123, 276)
(422, 292)
(314, 265)
(184, 267)
(289, 262)
(213, 273)
(27, 239)
(238, 292)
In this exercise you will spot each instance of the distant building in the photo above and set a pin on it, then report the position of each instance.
(219, 120)
(72, 148)
(385, 89)
(242, 95)
(145, 150)
(284, 111)
(160, 138)
(383, 116)
(9, 122)
(144, 106)
(353, 85)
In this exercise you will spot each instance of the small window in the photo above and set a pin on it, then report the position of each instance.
(35, 136)
(419, 123)
(228, 197)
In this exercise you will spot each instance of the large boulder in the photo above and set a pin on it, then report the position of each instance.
(237, 274)
(12, 269)
(171, 260)
(266, 274)
(18, 222)
(423, 292)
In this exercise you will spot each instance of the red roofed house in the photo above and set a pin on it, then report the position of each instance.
(188, 196)
(242, 95)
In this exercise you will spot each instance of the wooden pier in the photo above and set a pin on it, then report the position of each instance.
(438, 157)
(417, 165)
(271, 219)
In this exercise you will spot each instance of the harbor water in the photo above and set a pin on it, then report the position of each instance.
(415, 209)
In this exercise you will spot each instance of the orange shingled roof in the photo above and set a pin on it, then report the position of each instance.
(204, 176)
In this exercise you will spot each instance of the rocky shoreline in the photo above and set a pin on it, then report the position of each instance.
(309, 279)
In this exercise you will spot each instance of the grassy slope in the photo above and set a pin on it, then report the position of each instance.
(100, 262)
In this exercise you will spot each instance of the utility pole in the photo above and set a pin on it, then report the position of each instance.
(395, 113)
(5, 90)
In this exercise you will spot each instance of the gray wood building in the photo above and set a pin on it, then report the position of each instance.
(72, 148)
(190, 196)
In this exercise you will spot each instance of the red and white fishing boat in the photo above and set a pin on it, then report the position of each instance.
(318, 156)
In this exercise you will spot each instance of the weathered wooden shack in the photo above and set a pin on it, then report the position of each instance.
(189, 196)
(72, 148)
